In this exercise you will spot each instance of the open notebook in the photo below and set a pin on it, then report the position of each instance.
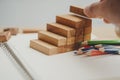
(65, 66)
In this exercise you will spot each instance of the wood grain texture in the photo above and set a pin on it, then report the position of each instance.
(47, 48)
(65, 33)
(5, 36)
(88, 22)
(52, 38)
(70, 20)
(43, 47)
(70, 47)
(62, 49)
(60, 29)
(81, 25)
(87, 30)
(77, 10)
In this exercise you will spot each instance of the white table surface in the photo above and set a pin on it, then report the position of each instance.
(66, 66)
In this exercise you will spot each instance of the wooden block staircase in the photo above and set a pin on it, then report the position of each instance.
(64, 34)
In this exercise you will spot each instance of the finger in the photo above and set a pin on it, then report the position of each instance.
(101, 0)
(93, 11)
(106, 21)
(88, 11)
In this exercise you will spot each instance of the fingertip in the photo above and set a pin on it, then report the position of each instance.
(88, 12)
(106, 21)
(85, 11)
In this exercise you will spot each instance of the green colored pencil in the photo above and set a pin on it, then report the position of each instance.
(95, 42)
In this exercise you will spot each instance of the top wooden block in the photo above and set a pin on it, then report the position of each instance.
(60, 29)
(77, 10)
(71, 20)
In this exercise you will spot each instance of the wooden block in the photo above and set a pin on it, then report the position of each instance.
(13, 31)
(70, 20)
(79, 35)
(79, 32)
(88, 26)
(77, 10)
(84, 34)
(76, 22)
(60, 29)
(52, 38)
(30, 30)
(82, 25)
(5, 36)
(70, 40)
(70, 47)
(87, 30)
(77, 46)
(44, 47)
(62, 49)
(87, 37)
(79, 39)
(88, 22)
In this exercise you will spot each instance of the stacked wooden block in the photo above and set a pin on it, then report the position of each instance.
(64, 34)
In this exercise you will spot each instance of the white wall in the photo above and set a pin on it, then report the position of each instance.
(34, 12)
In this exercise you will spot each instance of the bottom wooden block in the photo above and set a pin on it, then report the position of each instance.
(43, 47)
(77, 46)
(70, 47)
(62, 49)
(50, 49)
(79, 39)
(5, 36)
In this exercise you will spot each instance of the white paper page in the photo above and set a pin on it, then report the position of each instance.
(7, 69)
(67, 66)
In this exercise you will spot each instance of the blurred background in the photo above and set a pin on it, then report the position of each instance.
(36, 13)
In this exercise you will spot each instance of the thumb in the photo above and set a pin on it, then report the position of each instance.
(106, 21)
(93, 11)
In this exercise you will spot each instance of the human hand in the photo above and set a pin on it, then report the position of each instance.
(109, 10)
